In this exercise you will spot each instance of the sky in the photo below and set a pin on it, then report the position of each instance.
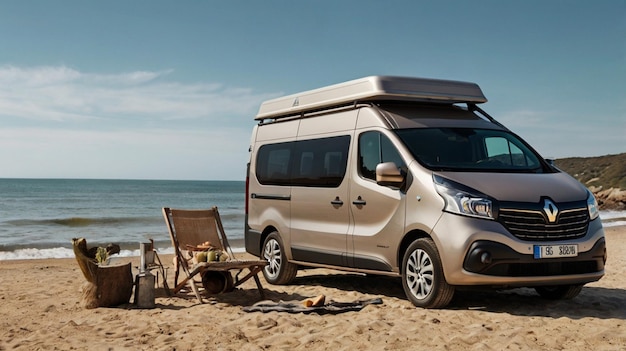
(152, 89)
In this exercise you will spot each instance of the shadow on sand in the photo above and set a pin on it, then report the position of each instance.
(595, 302)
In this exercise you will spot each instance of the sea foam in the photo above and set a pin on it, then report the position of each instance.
(62, 252)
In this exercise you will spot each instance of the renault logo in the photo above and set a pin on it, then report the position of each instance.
(550, 209)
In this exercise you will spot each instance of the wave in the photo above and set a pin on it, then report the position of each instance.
(227, 218)
(61, 248)
(63, 252)
(608, 215)
(613, 218)
(85, 221)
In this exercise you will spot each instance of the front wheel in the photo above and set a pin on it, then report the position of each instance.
(559, 292)
(278, 270)
(422, 276)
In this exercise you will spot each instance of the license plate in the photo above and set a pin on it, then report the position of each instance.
(555, 251)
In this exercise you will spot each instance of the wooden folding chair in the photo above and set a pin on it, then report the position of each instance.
(189, 229)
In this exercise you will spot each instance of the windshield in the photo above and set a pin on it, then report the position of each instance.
(469, 149)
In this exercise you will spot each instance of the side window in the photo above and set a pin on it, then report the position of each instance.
(306, 164)
(375, 148)
(322, 161)
(316, 163)
(272, 166)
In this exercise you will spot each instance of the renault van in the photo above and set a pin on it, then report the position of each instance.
(408, 177)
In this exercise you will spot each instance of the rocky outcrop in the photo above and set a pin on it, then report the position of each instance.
(610, 199)
(605, 176)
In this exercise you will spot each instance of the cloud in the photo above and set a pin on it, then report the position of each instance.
(61, 122)
(61, 94)
(37, 76)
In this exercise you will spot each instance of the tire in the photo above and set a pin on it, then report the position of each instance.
(559, 292)
(422, 276)
(279, 270)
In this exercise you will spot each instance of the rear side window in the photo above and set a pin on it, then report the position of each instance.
(273, 164)
(313, 163)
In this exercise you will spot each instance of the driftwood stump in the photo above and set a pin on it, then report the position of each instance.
(106, 286)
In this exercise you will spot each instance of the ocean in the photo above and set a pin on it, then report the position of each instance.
(39, 217)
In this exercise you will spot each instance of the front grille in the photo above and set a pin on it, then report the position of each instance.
(531, 224)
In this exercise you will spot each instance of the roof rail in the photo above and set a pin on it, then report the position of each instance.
(372, 88)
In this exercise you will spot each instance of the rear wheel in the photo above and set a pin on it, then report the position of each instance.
(422, 276)
(559, 292)
(278, 270)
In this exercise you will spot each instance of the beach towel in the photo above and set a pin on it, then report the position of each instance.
(297, 306)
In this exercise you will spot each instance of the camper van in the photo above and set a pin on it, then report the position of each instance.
(410, 178)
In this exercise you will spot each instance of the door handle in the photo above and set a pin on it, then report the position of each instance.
(359, 202)
(336, 202)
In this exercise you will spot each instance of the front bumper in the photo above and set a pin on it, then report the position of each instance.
(495, 259)
(481, 252)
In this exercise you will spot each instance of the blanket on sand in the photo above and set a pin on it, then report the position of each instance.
(297, 306)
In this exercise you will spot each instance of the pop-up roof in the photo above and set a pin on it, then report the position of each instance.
(371, 89)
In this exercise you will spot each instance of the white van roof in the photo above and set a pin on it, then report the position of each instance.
(371, 89)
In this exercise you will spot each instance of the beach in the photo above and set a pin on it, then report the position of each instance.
(41, 310)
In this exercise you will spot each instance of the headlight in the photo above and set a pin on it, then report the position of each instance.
(463, 200)
(592, 206)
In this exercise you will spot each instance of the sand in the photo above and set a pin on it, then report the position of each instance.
(40, 310)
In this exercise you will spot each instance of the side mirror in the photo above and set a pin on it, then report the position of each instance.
(388, 174)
